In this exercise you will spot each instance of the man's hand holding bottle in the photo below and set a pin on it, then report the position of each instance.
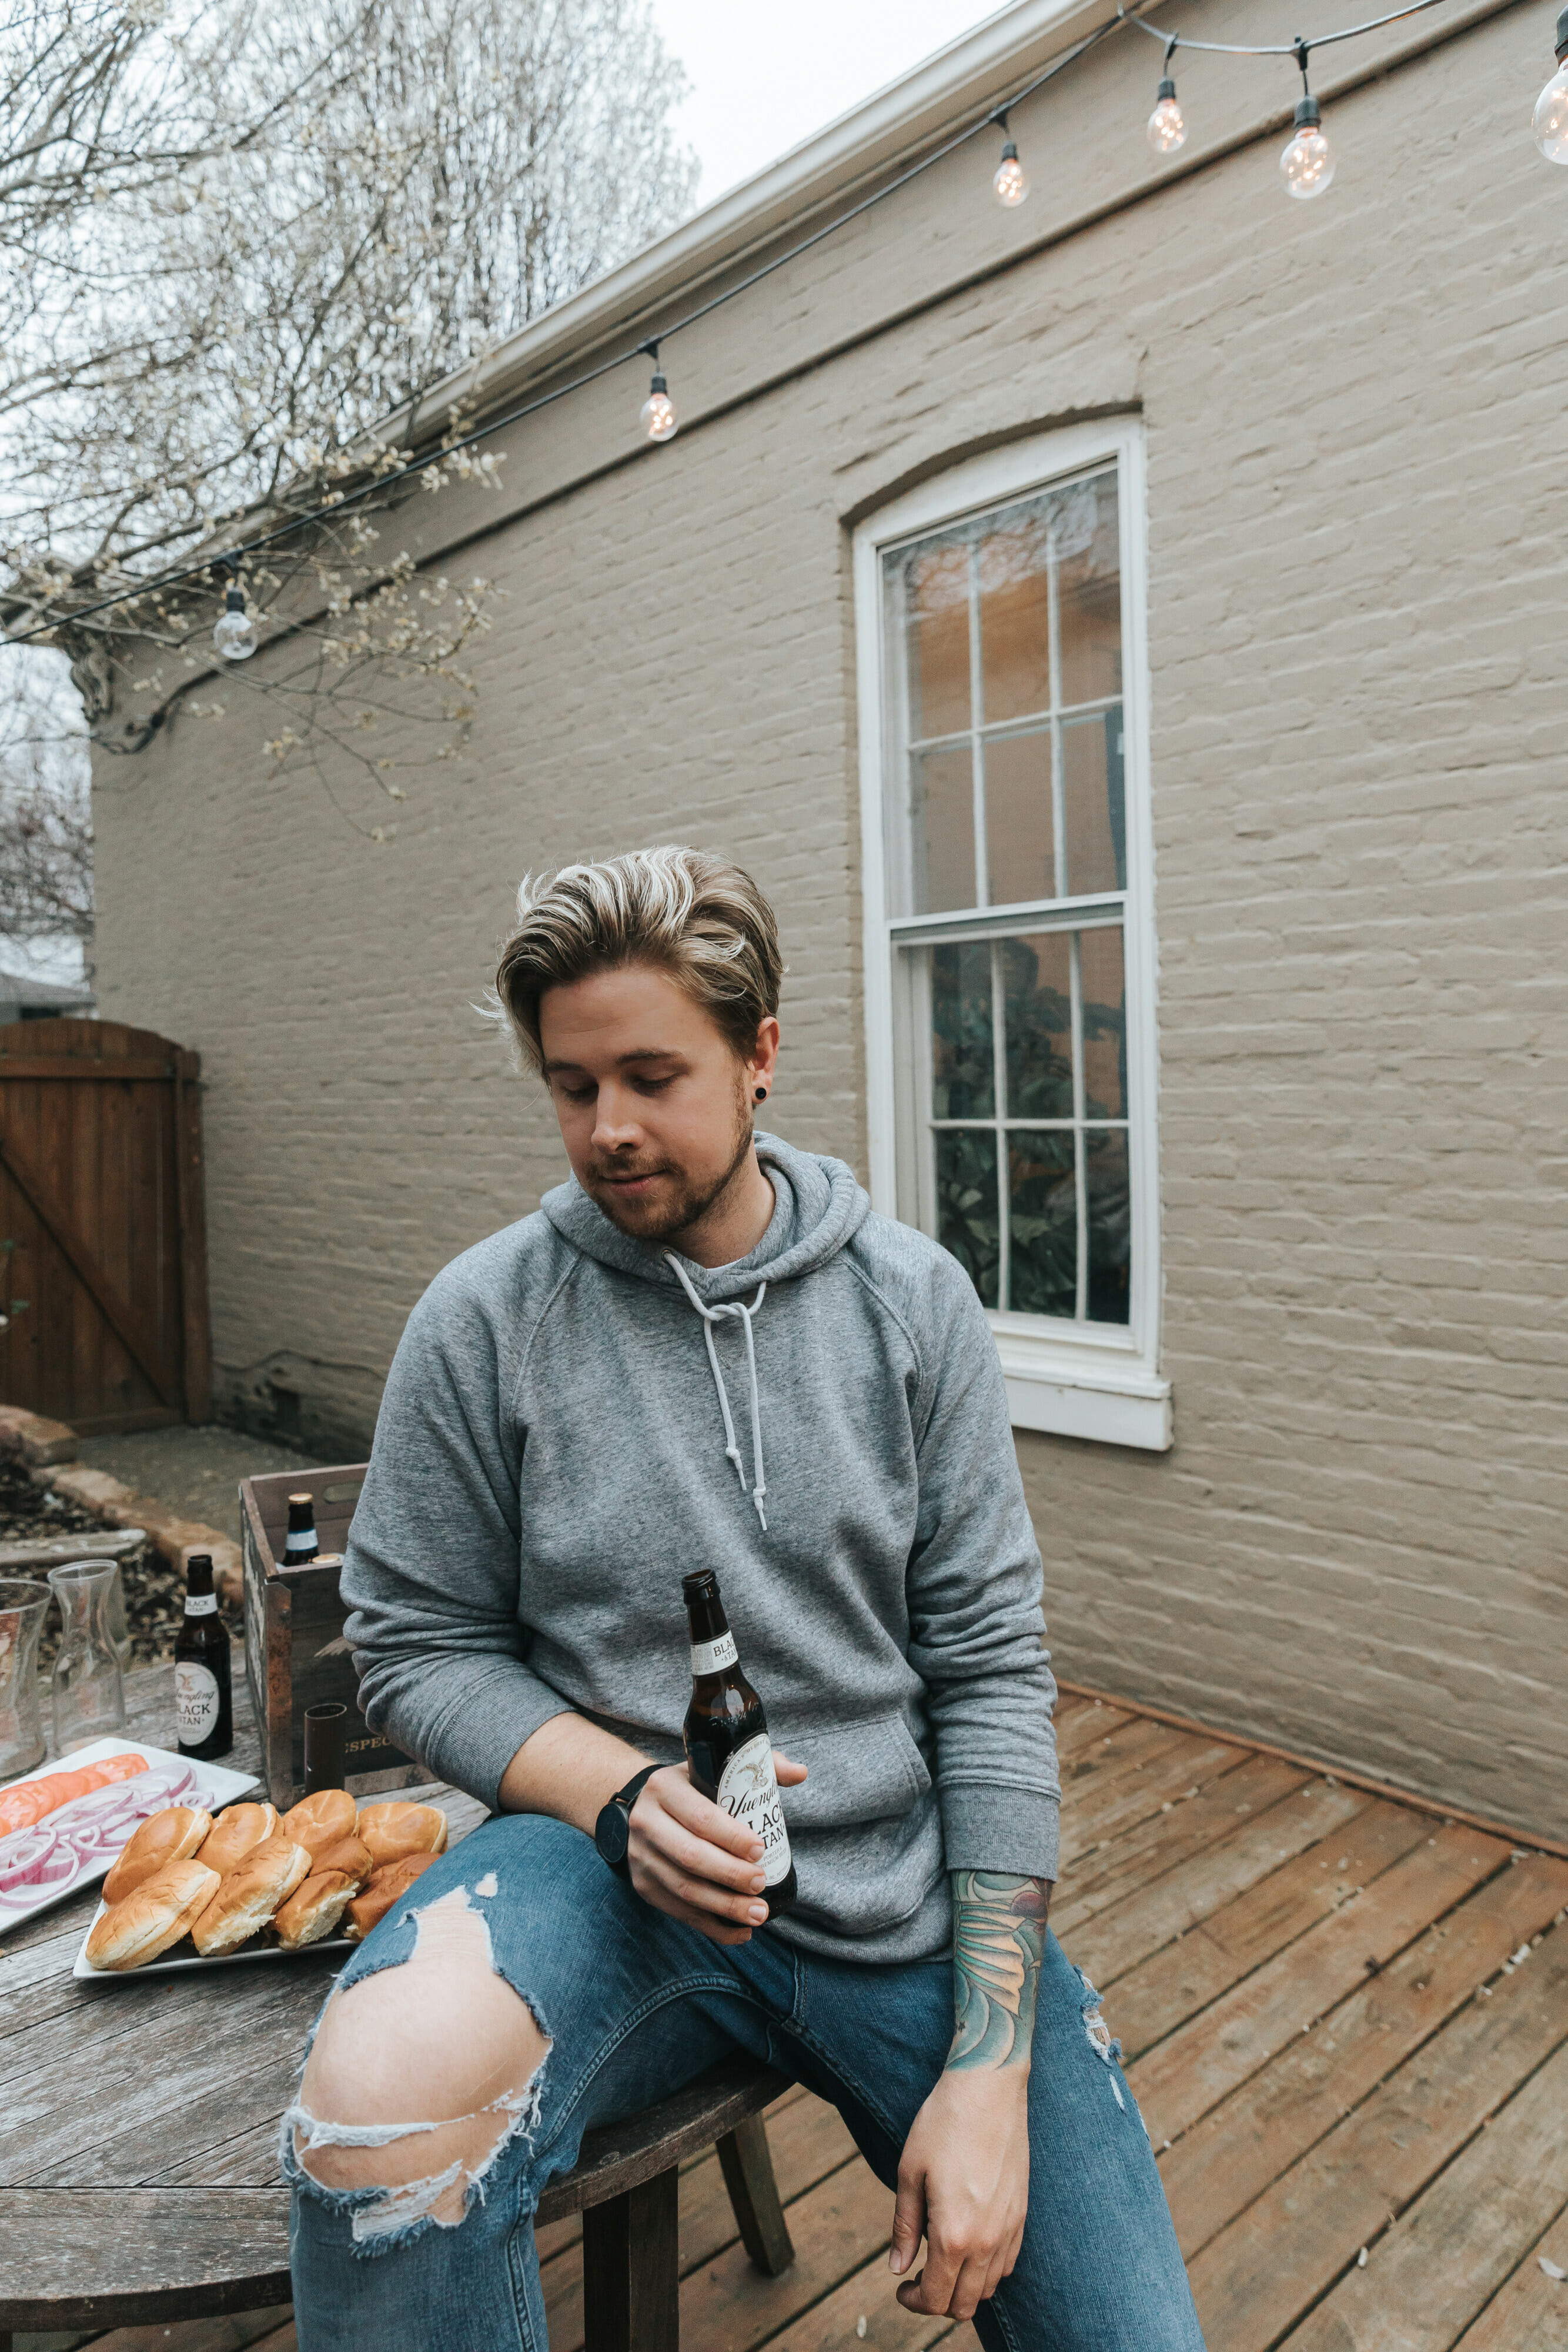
(697, 1863)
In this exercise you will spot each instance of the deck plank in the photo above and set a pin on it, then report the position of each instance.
(1530, 2308)
(1252, 2137)
(1111, 1945)
(1272, 2263)
(1156, 1998)
(1444, 2260)
(1149, 1787)
(1079, 1721)
(1104, 1872)
(1216, 2050)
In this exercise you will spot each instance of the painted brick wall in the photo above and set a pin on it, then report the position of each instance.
(1356, 533)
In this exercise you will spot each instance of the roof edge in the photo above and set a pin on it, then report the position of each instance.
(972, 73)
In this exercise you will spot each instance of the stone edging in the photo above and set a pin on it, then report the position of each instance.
(48, 1448)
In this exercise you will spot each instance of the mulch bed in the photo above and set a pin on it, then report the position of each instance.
(155, 1593)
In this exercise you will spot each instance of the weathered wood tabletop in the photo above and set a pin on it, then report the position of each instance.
(138, 2116)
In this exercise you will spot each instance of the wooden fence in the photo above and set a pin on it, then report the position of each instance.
(104, 1266)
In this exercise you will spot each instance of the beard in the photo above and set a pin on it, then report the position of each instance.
(679, 1200)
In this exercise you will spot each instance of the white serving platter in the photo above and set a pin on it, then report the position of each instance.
(219, 1786)
(84, 1973)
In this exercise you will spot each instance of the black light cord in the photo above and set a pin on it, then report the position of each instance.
(1296, 48)
(228, 559)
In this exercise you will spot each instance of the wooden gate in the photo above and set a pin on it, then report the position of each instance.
(103, 1263)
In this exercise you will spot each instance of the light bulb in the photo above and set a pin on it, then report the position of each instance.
(1550, 123)
(1308, 162)
(1011, 182)
(235, 632)
(1168, 132)
(657, 417)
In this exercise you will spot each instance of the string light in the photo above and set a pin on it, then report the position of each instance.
(235, 632)
(1011, 182)
(657, 415)
(1307, 160)
(1167, 128)
(1550, 123)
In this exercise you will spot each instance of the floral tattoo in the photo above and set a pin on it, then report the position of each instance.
(998, 1944)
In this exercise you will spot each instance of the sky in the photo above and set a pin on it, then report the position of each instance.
(765, 77)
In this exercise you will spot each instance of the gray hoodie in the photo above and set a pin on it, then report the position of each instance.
(564, 1433)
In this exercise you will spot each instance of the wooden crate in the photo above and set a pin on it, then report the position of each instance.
(295, 1652)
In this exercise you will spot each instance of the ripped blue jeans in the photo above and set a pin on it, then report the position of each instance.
(633, 2005)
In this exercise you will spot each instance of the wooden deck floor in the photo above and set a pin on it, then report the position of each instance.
(1346, 2021)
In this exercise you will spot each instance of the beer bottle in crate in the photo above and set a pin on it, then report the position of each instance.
(203, 1699)
(300, 1546)
(728, 1753)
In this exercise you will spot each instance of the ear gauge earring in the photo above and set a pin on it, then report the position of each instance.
(762, 1094)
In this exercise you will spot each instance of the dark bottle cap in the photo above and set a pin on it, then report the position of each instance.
(326, 1728)
(199, 1573)
(700, 1585)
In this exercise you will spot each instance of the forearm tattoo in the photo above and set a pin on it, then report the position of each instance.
(999, 1943)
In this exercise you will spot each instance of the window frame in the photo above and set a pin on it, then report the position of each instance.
(1098, 1380)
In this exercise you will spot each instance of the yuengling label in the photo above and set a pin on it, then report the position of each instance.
(748, 1791)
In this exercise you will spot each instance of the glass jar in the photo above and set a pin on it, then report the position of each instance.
(89, 1687)
(119, 1631)
(24, 1606)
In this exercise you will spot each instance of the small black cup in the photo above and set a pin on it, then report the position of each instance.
(325, 1726)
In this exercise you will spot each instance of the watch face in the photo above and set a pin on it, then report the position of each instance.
(612, 1833)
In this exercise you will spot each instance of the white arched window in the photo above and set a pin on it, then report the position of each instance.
(1009, 948)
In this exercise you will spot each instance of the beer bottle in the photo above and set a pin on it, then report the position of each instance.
(300, 1546)
(203, 1698)
(728, 1753)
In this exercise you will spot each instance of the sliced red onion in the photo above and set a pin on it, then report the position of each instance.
(21, 1854)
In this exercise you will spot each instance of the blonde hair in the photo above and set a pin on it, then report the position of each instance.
(697, 917)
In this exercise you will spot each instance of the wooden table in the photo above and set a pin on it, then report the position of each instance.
(139, 2118)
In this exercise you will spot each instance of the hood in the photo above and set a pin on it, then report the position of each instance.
(817, 1208)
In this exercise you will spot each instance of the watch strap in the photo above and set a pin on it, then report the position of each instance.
(623, 1800)
(629, 1795)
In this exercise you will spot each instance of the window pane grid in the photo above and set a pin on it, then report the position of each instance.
(976, 1183)
(1023, 1127)
(1000, 731)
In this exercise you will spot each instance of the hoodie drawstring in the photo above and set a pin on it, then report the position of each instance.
(710, 1315)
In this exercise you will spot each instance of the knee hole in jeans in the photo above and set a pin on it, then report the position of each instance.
(420, 2075)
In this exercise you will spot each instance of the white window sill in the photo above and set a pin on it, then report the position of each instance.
(1049, 1388)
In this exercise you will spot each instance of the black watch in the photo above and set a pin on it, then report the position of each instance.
(612, 1830)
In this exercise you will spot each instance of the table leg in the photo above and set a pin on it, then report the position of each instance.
(631, 2269)
(747, 2166)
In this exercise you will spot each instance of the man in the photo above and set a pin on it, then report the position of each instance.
(705, 1352)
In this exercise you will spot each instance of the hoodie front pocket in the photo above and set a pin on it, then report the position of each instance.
(859, 1773)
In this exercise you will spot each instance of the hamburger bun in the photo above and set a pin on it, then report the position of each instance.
(320, 1819)
(393, 1831)
(246, 1900)
(346, 1855)
(392, 1880)
(152, 1917)
(234, 1834)
(314, 1909)
(172, 1835)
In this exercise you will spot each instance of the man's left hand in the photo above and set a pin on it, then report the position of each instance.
(963, 2185)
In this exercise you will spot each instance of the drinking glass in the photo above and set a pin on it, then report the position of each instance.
(119, 1631)
(325, 1727)
(89, 1689)
(24, 1605)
